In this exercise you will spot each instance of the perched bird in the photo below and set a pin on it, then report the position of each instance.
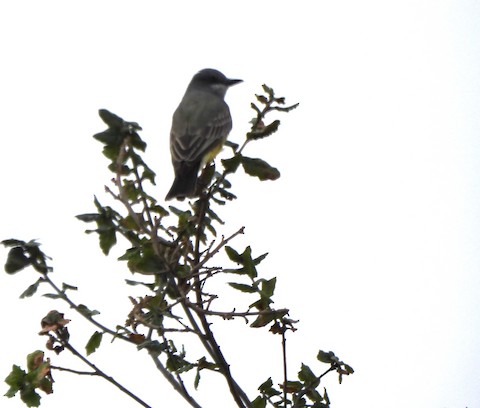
(200, 127)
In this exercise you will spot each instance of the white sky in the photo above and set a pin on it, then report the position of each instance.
(372, 230)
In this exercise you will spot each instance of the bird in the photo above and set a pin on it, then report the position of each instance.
(200, 126)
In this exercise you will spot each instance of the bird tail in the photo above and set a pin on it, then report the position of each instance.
(185, 182)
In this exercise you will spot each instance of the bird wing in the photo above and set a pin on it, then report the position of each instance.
(198, 127)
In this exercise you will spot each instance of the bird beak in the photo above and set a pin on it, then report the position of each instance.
(231, 82)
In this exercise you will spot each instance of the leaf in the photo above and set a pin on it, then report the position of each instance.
(150, 286)
(15, 380)
(31, 290)
(232, 145)
(243, 288)
(54, 296)
(231, 165)
(94, 342)
(259, 132)
(107, 238)
(268, 90)
(268, 287)
(259, 168)
(88, 217)
(262, 99)
(110, 119)
(12, 242)
(66, 286)
(84, 310)
(294, 386)
(110, 137)
(267, 389)
(158, 209)
(213, 215)
(16, 260)
(178, 364)
(266, 385)
(233, 255)
(348, 369)
(261, 304)
(259, 402)
(148, 174)
(153, 346)
(327, 357)
(267, 317)
(306, 375)
(248, 263)
(259, 259)
(197, 380)
(30, 397)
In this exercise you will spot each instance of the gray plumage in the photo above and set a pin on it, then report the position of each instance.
(200, 127)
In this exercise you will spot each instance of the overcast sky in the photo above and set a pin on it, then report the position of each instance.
(373, 230)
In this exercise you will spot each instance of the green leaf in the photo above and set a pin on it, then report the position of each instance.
(248, 263)
(54, 296)
(84, 310)
(348, 369)
(94, 342)
(268, 90)
(261, 304)
(16, 260)
(13, 242)
(327, 357)
(150, 286)
(259, 402)
(66, 286)
(214, 216)
(262, 99)
(148, 174)
(259, 259)
(325, 397)
(110, 119)
(177, 364)
(31, 290)
(232, 145)
(143, 260)
(15, 380)
(153, 346)
(243, 288)
(268, 287)
(294, 386)
(306, 375)
(259, 168)
(266, 385)
(261, 132)
(30, 397)
(233, 255)
(231, 165)
(108, 239)
(267, 389)
(110, 137)
(197, 380)
(267, 317)
(88, 217)
(158, 209)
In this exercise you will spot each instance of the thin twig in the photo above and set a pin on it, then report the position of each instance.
(179, 387)
(284, 355)
(209, 255)
(74, 306)
(100, 373)
(70, 370)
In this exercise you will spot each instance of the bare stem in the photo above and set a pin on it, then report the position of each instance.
(175, 384)
(284, 355)
(100, 373)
